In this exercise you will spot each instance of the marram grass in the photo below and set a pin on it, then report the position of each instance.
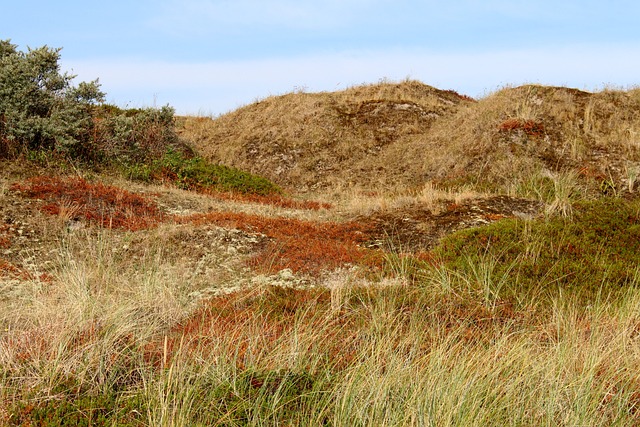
(120, 342)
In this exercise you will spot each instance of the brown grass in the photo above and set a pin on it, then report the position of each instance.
(254, 324)
(9, 270)
(254, 321)
(408, 134)
(5, 236)
(312, 140)
(272, 200)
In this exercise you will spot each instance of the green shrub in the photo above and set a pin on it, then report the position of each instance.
(41, 110)
(135, 135)
(74, 406)
(197, 173)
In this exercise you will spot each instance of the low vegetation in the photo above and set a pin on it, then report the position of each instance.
(142, 283)
(75, 198)
(195, 173)
(376, 136)
(44, 117)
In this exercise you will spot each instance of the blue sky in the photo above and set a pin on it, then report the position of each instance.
(212, 56)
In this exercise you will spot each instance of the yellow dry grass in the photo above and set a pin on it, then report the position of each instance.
(407, 134)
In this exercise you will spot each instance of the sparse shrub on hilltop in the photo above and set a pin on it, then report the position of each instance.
(43, 114)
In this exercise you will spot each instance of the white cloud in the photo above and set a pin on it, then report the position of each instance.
(217, 87)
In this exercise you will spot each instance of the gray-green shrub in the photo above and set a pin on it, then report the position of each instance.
(40, 108)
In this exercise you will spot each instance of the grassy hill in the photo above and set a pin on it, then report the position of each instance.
(408, 134)
(365, 134)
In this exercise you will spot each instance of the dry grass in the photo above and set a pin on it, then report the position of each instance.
(444, 349)
(158, 312)
(307, 141)
(408, 134)
(276, 200)
(360, 201)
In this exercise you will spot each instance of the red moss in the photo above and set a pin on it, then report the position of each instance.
(272, 200)
(590, 172)
(529, 127)
(11, 271)
(255, 323)
(462, 97)
(299, 245)
(427, 257)
(494, 217)
(105, 205)
(5, 238)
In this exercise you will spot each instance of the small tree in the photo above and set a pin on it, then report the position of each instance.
(39, 106)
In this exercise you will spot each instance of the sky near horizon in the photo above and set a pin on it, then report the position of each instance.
(212, 56)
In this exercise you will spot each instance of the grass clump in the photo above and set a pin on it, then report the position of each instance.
(594, 253)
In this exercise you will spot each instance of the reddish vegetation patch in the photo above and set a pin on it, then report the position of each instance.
(590, 172)
(250, 323)
(255, 324)
(273, 200)
(529, 127)
(8, 270)
(427, 257)
(5, 238)
(27, 346)
(302, 246)
(460, 96)
(106, 205)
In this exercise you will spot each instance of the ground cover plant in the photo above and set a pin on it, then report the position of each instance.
(302, 246)
(223, 182)
(195, 173)
(75, 199)
(384, 354)
(593, 253)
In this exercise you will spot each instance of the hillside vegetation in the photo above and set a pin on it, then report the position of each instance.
(408, 134)
(389, 255)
